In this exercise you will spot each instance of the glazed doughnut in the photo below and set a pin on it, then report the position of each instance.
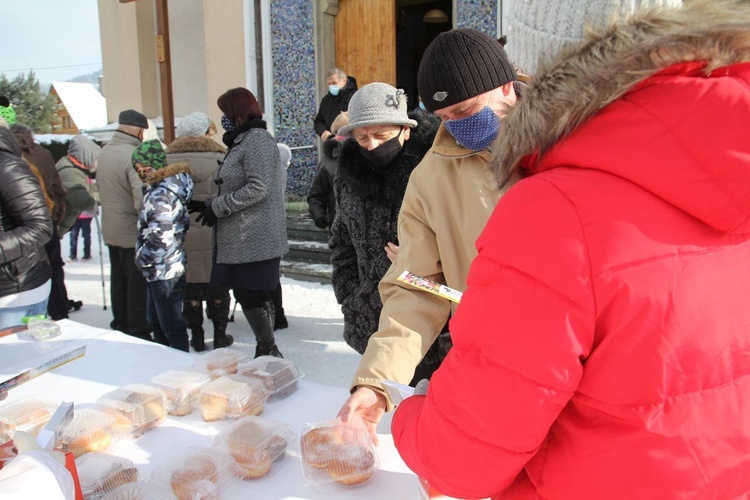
(193, 478)
(255, 462)
(352, 465)
(319, 446)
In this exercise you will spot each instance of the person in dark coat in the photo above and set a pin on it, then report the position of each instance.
(25, 227)
(248, 214)
(320, 200)
(195, 147)
(41, 158)
(373, 172)
(341, 88)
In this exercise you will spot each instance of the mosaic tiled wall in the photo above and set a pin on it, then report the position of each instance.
(293, 48)
(478, 14)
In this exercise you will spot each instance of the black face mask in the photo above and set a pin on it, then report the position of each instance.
(383, 155)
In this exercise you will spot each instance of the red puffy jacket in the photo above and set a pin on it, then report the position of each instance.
(602, 349)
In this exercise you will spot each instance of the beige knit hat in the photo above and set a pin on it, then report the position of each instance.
(541, 28)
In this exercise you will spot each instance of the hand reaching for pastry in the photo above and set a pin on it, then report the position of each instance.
(367, 404)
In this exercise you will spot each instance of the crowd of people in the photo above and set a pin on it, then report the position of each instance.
(584, 190)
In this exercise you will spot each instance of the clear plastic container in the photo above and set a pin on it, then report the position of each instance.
(139, 491)
(336, 454)
(255, 443)
(91, 429)
(280, 376)
(220, 362)
(197, 473)
(232, 397)
(182, 387)
(28, 414)
(137, 408)
(100, 473)
(43, 329)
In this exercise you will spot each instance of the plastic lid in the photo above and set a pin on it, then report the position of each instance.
(182, 387)
(28, 414)
(100, 473)
(280, 376)
(197, 473)
(91, 429)
(232, 396)
(137, 408)
(337, 454)
(139, 491)
(220, 362)
(255, 443)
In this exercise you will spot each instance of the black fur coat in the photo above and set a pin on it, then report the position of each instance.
(367, 207)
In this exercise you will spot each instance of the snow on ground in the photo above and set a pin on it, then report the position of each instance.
(314, 339)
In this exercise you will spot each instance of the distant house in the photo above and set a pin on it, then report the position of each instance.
(79, 107)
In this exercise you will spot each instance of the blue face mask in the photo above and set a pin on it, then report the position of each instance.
(334, 89)
(421, 106)
(475, 132)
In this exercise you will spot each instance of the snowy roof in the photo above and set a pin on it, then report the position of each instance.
(87, 107)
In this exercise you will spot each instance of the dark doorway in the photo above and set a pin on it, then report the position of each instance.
(414, 33)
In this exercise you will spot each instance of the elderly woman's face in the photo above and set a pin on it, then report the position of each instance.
(370, 138)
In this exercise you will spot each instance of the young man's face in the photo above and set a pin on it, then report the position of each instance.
(143, 170)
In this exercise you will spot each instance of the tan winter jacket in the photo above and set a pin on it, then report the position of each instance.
(120, 191)
(450, 197)
(202, 154)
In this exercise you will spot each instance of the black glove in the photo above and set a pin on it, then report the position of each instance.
(207, 217)
(322, 222)
(196, 206)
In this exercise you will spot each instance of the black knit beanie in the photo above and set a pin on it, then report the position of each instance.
(460, 64)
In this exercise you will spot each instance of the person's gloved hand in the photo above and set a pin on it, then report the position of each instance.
(322, 222)
(421, 387)
(194, 206)
(207, 217)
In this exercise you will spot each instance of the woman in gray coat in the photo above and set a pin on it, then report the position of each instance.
(248, 214)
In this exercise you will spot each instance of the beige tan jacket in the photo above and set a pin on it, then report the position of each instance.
(450, 197)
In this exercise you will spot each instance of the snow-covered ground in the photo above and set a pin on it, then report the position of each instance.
(314, 339)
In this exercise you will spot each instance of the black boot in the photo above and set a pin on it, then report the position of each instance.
(260, 322)
(194, 316)
(220, 317)
(280, 321)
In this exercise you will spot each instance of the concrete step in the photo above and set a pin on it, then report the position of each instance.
(320, 273)
(309, 251)
(301, 227)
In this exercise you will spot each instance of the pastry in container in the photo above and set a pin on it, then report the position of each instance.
(100, 473)
(220, 362)
(91, 429)
(182, 387)
(254, 443)
(28, 414)
(232, 397)
(337, 454)
(139, 491)
(280, 376)
(137, 408)
(197, 473)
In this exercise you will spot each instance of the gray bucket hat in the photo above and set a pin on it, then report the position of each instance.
(377, 104)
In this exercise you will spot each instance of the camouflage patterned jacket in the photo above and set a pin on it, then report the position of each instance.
(163, 223)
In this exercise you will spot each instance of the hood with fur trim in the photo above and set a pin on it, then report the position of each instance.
(670, 86)
(189, 144)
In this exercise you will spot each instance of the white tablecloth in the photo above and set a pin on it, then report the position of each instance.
(113, 359)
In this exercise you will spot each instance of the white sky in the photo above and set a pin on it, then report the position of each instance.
(42, 34)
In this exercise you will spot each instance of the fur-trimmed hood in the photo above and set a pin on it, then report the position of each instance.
(582, 80)
(157, 176)
(188, 144)
(657, 97)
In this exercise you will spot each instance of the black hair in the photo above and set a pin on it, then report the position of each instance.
(4, 102)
